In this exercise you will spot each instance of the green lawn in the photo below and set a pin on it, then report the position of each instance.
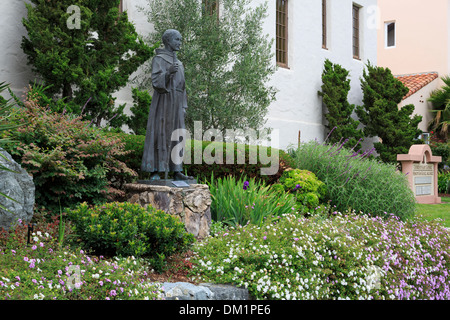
(434, 211)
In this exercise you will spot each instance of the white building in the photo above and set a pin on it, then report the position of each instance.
(308, 32)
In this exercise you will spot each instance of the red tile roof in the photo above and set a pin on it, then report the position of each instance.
(415, 82)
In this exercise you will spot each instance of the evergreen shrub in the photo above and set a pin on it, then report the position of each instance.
(125, 229)
(354, 181)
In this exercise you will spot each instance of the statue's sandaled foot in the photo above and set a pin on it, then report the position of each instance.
(155, 176)
(178, 176)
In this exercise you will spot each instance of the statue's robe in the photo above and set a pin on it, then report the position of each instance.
(167, 112)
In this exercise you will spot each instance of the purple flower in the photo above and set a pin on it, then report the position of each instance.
(246, 184)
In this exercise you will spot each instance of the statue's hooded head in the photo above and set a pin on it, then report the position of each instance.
(172, 39)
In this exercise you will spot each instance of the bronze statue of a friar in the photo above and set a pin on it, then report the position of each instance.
(167, 111)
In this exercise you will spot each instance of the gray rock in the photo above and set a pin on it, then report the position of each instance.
(204, 291)
(227, 292)
(19, 186)
(186, 291)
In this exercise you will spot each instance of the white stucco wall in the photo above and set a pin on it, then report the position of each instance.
(13, 62)
(421, 104)
(298, 106)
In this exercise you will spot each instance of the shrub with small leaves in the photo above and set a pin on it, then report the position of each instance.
(307, 188)
(126, 229)
(70, 161)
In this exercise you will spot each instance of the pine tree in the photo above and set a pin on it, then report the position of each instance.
(382, 117)
(86, 50)
(228, 60)
(335, 89)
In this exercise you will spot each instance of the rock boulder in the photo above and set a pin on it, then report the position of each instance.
(19, 186)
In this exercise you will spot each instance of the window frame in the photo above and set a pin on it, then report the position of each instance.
(386, 34)
(282, 33)
(356, 31)
(324, 24)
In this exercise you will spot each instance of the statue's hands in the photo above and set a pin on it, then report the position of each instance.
(174, 68)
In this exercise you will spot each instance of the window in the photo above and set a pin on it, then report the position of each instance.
(282, 33)
(356, 35)
(324, 24)
(211, 6)
(390, 34)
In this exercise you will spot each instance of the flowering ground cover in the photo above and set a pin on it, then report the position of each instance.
(345, 256)
(44, 269)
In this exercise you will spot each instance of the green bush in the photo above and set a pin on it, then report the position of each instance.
(308, 190)
(70, 161)
(444, 182)
(441, 149)
(240, 201)
(135, 145)
(356, 182)
(125, 229)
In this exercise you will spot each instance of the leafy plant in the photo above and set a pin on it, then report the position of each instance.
(334, 91)
(126, 229)
(382, 117)
(70, 160)
(241, 201)
(308, 190)
(440, 99)
(356, 182)
(444, 182)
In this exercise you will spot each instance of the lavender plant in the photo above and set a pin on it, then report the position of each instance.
(356, 181)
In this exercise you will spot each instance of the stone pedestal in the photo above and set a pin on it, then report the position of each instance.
(422, 170)
(190, 204)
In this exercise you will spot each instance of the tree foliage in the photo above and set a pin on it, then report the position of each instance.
(227, 59)
(335, 89)
(88, 62)
(381, 115)
(440, 99)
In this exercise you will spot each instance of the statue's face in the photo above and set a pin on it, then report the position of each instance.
(174, 43)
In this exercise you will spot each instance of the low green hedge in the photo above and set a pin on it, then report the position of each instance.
(204, 171)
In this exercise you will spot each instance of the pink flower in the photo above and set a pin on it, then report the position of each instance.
(33, 247)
